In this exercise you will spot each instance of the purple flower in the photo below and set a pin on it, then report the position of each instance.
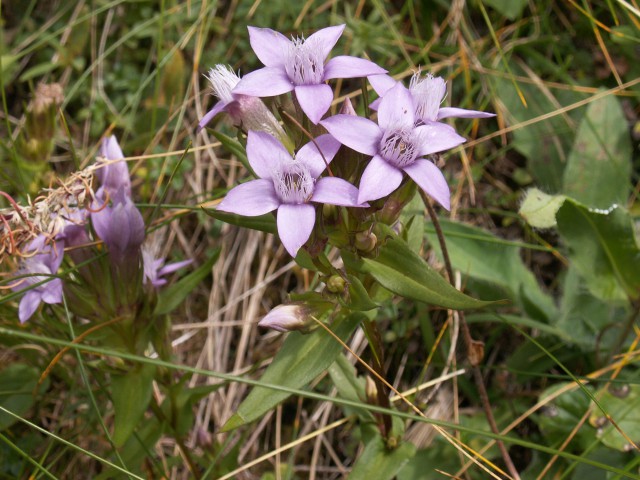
(397, 145)
(245, 110)
(154, 268)
(299, 65)
(113, 175)
(428, 93)
(288, 185)
(120, 225)
(287, 318)
(45, 260)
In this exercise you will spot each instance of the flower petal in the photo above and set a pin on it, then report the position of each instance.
(378, 180)
(269, 46)
(265, 82)
(295, 223)
(111, 149)
(315, 100)
(217, 108)
(265, 153)
(251, 199)
(51, 292)
(336, 191)
(358, 133)
(345, 66)
(436, 137)
(396, 108)
(309, 154)
(382, 83)
(172, 267)
(446, 112)
(430, 179)
(326, 39)
(28, 305)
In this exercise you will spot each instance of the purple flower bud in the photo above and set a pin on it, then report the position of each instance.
(287, 318)
(113, 175)
(46, 260)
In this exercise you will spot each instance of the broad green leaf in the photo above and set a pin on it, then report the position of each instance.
(301, 359)
(379, 462)
(174, 295)
(412, 217)
(602, 246)
(585, 319)
(598, 171)
(17, 385)
(481, 255)
(349, 385)
(622, 403)
(402, 271)
(131, 394)
(264, 223)
(511, 9)
(546, 143)
(539, 209)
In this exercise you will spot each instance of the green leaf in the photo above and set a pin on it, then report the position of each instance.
(511, 9)
(402, 271)
(622, 403)
(350, 386)
(17, 385)
(174, 295)
(264, 223)
(602, 246)
(379, 462)
(359, 299)
(131, 394)
(301, 359)
(539, 209)
(235, 148)
(480, 255)
(598, 171)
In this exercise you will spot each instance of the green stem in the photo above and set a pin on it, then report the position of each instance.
(375, 343)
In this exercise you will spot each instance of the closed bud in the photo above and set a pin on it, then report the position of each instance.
(371, 391)
(287, 318)
(347, 108)
(336, 284)
(366, 241)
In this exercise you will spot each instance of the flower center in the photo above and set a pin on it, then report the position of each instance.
(427, 93)
(293, 182)
(305, 62)
(398, 147)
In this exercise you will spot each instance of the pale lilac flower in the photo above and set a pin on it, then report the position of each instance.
(428, 93)
(397, 145)
(154, 268)
(45, 260)
(299, 65)
(113, 175)
(248, 111)
(288, 185)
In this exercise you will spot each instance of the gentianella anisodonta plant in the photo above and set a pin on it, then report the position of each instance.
(349, 236)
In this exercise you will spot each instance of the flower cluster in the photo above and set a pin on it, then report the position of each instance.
(118, 224)
(291, 180)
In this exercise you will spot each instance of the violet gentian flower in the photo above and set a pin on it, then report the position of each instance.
(288, 185)
(428, 93)
(114, 174)
(397, 145)
(299, 65)
(45, 260)
(154, 268)
(248, 111)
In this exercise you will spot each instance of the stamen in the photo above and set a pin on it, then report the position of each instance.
(293, 182)
(398, 147)
(304, 64)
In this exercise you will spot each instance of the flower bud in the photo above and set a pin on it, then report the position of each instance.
(287, 318)
(336, 284)
(366, 241)
(347, 108)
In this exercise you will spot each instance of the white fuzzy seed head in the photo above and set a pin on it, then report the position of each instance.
(428, 93)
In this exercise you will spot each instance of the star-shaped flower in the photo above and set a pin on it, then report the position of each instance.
(428, 93)
(397, 145)
(288, 185)
(299, 65)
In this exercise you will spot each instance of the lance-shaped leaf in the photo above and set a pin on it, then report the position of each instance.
(405, 273)
(301, 359)
(264, 223)
(380, 462)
